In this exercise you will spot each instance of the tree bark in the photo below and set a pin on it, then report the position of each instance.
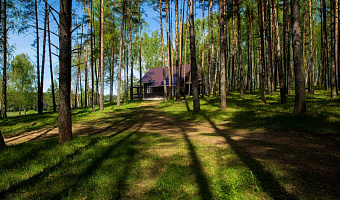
(311, 53)
(194, 74)
(112, 55)
(120, 53)
(278, 57)
(51, 67)
(334, 91)
(92, 60)
(38, 67)
(268, 48)
(65, 22)
(213, 67)
(262, 70)
(131, 55)
(43, 59)
(300, 99)
(249, 43)
(325, 46)
(163, 53)
(240, 47)
(101, 96)
(177, 59)
(2, 142)
(4, 75)
(140, 52)
(203, 48)
(223, 54)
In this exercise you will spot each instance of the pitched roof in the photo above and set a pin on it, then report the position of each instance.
(155, 75)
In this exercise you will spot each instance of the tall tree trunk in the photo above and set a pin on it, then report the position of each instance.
(163, 53)
(311, 61)
(92, 60)
(334, 91)
(131, 55)
(2, 142)
(51, 67)
(86, 62)
(140, 52)
(4, 75)
(169, 48)
(177, 49)
(126, 65)
(112, 55)
(240, 47)
(203, 48)
(43, 59)
(101, 97)
(233, 84)
(300, 99)
(268, 47)
(194, 74)
(325, 46)
(120, 53)
(65, 22)
(223, 54)
(278, 58)
(249, 43)
(38, 55)
(213, 67)
(262, 70)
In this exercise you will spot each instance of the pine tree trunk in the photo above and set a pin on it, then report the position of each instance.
(262, 70)
(65, 123)
(240, 47)
(38, 55)
(223, 54)
(140, 53)
(213, 67)
(268, 48)
(51, 67)
(168, 48)
(334, 92)
(131, 57)
(300, 99)
(43, 59)
(92, 60)
(311, 53)
(325, 46)
(4, 75)
(278, 57)
(112, 55)
(194, 74)
(203, 48)
(2, 142)
(249, 42)
(120, 53)
(177, 59)
(163, 53)
(101, 97)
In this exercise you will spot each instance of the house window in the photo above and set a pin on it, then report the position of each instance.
(149, 90)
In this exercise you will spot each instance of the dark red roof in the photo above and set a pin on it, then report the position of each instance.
(155, 75)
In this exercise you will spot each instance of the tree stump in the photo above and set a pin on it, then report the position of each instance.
(2, 142)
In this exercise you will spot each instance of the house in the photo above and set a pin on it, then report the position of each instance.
(153, 82)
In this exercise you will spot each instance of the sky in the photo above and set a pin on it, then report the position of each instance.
(23, 42)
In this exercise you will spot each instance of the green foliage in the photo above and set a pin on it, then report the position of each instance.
(21, 92)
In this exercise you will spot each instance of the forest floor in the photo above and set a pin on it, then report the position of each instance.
(161, 150)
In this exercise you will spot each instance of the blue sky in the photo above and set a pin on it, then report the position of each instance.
(23, 42)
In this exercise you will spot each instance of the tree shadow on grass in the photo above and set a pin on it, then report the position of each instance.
(268, 182)
(94, 139)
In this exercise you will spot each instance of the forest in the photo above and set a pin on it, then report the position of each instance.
(256, 115)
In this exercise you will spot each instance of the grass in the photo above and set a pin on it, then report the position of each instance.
(249, 151)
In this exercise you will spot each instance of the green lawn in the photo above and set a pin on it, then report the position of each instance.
(164, 151)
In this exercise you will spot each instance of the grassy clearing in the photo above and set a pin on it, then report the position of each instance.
(165, 152)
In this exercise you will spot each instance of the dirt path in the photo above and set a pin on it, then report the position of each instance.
(312, 164)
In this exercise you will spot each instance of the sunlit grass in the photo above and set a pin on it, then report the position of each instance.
(128, 162)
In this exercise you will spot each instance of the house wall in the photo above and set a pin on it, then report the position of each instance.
(155, 92)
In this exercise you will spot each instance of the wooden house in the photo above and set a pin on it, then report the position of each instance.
(153, 81)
